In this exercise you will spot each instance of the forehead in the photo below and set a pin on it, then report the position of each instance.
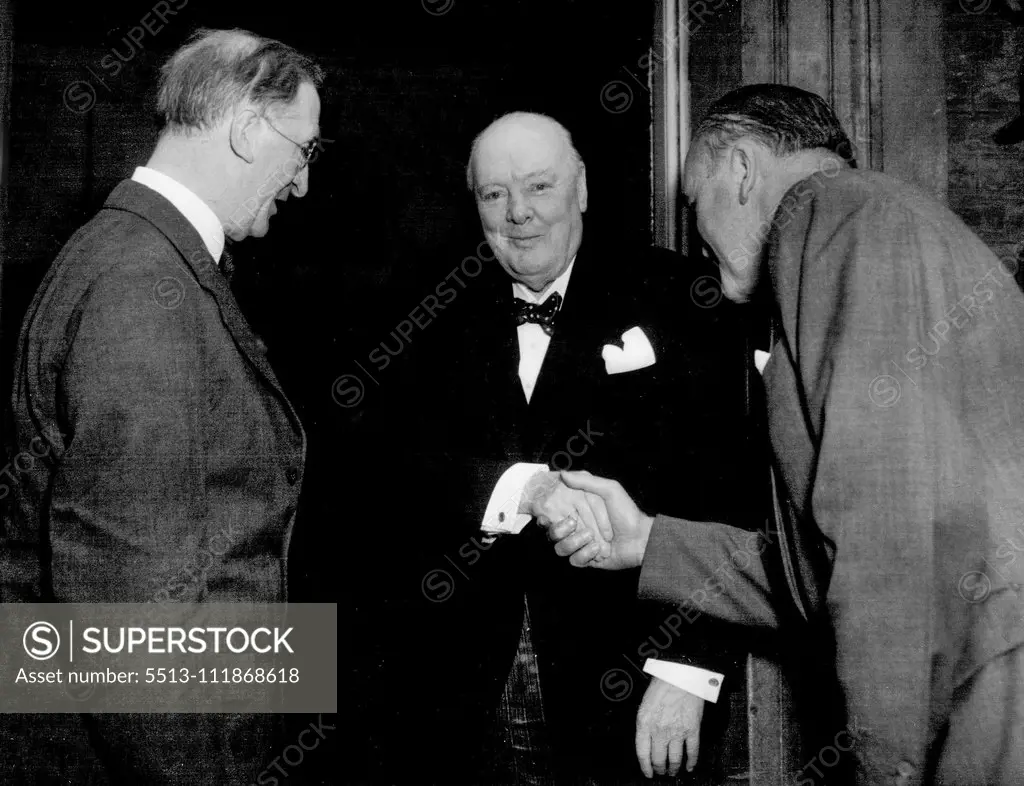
(304, 111)
(516, 150)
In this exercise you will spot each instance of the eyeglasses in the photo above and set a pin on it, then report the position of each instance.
(306, 151)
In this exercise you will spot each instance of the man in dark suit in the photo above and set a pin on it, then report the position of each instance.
(561, 352)
(173, 460)
(896, 422)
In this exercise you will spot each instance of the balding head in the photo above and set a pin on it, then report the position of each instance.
(519, 127)
(531, 191)
(242, 114)
(218, 71)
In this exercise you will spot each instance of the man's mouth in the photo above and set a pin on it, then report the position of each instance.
(524, 241)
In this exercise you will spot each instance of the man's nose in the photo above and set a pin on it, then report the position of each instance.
(300, 183)
(518, 209)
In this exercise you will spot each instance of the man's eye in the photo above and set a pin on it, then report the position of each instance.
(490, 196)
(541, 186)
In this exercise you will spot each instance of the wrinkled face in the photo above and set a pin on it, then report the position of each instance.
(734, 231)
(278, 169)
(531, 200)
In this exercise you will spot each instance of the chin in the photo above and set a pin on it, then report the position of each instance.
(738, 290)
(259, 228)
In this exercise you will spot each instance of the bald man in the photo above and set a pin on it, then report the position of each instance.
(561, 353)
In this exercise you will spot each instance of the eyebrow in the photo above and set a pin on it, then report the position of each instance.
(549, 172)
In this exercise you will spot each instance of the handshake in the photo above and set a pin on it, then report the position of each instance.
(591, 520)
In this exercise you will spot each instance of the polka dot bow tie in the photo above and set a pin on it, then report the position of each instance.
(543, 314)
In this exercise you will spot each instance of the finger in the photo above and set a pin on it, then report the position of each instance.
(643, 750)
(586, 514)
(586, 556)
(574, 542)
(692, 748)
(584, 481)
(562, 529)
(675, 755)
(555, 510)
(600, 510)
(659, 753)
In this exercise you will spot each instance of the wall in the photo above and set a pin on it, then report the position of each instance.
(983, 55)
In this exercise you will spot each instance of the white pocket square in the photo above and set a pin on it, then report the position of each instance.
(636, 352)
(761, 360)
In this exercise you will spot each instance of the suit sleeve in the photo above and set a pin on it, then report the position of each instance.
(709, 569)
(132, 473)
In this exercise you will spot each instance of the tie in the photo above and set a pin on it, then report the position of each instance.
(227, 264)
(543, 314)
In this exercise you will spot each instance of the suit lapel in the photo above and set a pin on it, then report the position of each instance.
(497, 351)
(573, 363)
(196, 261)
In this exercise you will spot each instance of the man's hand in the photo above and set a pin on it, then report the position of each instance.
(667, 722)
(550, 501)
(630, 527)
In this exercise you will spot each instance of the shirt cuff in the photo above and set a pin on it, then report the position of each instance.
(502, 514)
(699, 682)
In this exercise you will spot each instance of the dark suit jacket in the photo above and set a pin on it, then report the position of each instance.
(675, 433)
(171, 470)
(897, 424)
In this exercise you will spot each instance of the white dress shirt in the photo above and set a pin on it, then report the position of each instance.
(533, 341)
(507, 495)
(533, 347)
(195, 210)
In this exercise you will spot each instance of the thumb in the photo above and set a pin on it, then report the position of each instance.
(584, 481)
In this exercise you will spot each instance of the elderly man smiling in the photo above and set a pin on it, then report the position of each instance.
(897, 481)
(570, 351)
(163, 421)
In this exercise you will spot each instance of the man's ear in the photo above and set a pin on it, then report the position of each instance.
(742, 167)
(581, 188)
(242, 134)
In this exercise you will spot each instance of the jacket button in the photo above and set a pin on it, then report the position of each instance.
(292, 475)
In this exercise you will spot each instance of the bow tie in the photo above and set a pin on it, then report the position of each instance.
(542, 314)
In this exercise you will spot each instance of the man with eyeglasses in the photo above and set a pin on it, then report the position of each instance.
(171, 458)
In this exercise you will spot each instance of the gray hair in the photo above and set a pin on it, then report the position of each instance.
(574, 157)
(783, 118)
(217, 70)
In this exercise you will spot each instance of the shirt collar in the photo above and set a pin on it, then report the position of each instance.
(195, 210)
(559, 285)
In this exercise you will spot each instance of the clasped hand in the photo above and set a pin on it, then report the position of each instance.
(575, 511)
(621, 522)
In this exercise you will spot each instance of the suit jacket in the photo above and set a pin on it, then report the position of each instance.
(896, 421)
(170, 469)
(674, 433)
